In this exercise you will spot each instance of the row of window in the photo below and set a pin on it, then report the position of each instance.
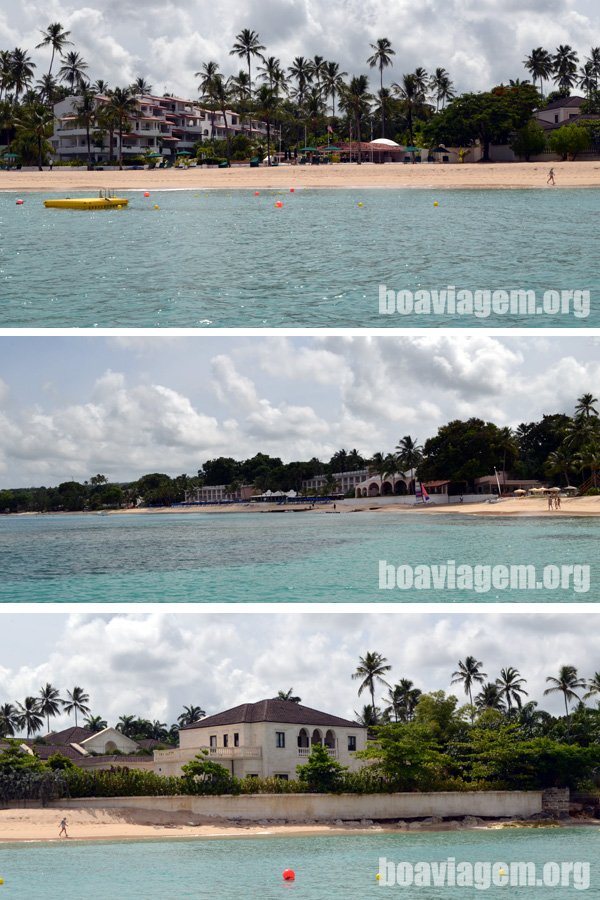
(279, 740)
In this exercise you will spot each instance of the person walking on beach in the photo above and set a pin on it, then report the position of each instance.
(551, 177)
(550, 502)
(63, 828)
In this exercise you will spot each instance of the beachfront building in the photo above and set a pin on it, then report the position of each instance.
(220, 493)
(488, 484)
(92, 749)
(162, 125)
(396, 483)
(344, 481)
(265, 739)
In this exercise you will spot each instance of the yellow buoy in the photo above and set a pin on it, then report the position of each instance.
(435, 203)
(156, 206)
(360, 204)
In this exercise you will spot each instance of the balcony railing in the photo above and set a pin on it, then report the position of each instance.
(180, 755)
(306, 751)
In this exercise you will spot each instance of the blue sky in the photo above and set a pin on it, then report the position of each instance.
(123, 406)
(480, 42)
(152, 663)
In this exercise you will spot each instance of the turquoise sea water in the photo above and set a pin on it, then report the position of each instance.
(327, 868)
(289, 557)
(226, 258)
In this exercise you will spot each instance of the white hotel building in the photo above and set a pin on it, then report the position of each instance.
(162, 125)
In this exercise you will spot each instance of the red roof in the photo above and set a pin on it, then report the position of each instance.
(274, 710)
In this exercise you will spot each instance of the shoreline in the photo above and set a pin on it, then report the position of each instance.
(526, 507)
(40, 825)
(515, 175)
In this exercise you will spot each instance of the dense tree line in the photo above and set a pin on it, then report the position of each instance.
(309, 101)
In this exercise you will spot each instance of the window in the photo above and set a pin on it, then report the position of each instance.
(226, 740)
(252, 775)
(236, 739)
(280, 739)
(284, 776)
(213, 742)
(351, 742)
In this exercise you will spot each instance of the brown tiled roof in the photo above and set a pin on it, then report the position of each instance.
(565, 103)
(45, 751)
(273, 711)
(69, 736)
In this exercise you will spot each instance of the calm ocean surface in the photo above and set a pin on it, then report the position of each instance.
(230, 259)
(335, 868)
(290, 557)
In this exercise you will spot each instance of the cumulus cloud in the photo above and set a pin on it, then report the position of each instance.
(478, 41)
(152, 663)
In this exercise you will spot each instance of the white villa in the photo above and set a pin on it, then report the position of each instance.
(344, 481)
(396, 483)
(265, 739)
(91, 749)
(164, 125)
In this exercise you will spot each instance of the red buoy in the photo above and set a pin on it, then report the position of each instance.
(257, 193)
(289, 875)
(146, 193)
(20, 202)
(279, 204)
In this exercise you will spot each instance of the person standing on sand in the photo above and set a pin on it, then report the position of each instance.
(63, 828)
(551, 177)
(550, 502)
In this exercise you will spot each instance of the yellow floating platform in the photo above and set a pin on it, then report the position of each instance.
(87, 203)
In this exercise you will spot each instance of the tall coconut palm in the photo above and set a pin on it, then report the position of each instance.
(207, 73)
(9, 720)
(368, 716)
(402, 699)
(266, 109)
(247, 44)
(288, 695)
(354, 100)
(222, 94)
(6, 77)
(333, 80)
(77, 702)
(240, 92)
(190, 715)
(585, 406)
(588, 457)
(560, 462)
(29, 716)
(381, 58)
(49, 703)
(36, 121)
(587, 80)
(409, 453)
(100, 86)
(468, 673)
(593, 687)
(411, 93)
(47, 87)
(442, 88)
(123, 105)
(272, 73)
(21, 69)
(540, 65)
(127, 725)
(317, 71)
(510, 687)
(371, 668)
(489, 697)
(301, 71)
(141, 86)
(565, 68)
(567, 684)
(56, 37)
(85, 117)
(594, 59)
(72, 71)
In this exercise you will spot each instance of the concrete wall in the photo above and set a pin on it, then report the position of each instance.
(294, 807)
(436, 500)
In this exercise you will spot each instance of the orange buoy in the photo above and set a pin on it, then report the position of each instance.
(278, 204)
(289, 875)
(146, 193)
(257, 193)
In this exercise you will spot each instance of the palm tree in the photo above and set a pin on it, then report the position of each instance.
(593, 687)
(246, 46)
(47, 87)
(588, 80)
(72, 71)
(371, 668)
(272, 73)
(411, 93)
(540, 65)
(288, 695)
(317, 71)
(95, 723)
(9, 720)
(409, 453)
(509, 684)
(123, 105)
(21, 71)
(56, 37)
(468, 673)
(190, 715)
(6, 78)
(301, 70)
(127, 725)
(49, 703)
(221, 92)
(489, 698)
(368, 716)
(442, 87)
(36, 121)
(29, 717)
(565, 68)
(567, 683)
(207, 74)
(381, 58)
(594, 59)
(402, 698)
(77, 702)
(585, 406)
(101, 86)
(240, 91)
(354, 100)
(559, 462)
(333, 81)
(589, 458)
(266, 109)
(85, 113)
(141, 86)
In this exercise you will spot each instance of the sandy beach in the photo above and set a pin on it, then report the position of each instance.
(42, 824)
(512, 506)
(390, 175)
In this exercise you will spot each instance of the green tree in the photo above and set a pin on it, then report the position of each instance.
(190, 715)
(72, 71)
(381, 58)
(247, 44)
(371, 668)
(85, 117)
(321, 773)
(408, 757)
(567, 684)
(56, 37)
(354, 100)
(529, 141)
(510, 686)
(76, 703)
(49, 702)
(288, 695)
(540, 65)
(34, 123)
(9, 720)
(569, 140)
(468, 674)
(29, 716)
(123, 106)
